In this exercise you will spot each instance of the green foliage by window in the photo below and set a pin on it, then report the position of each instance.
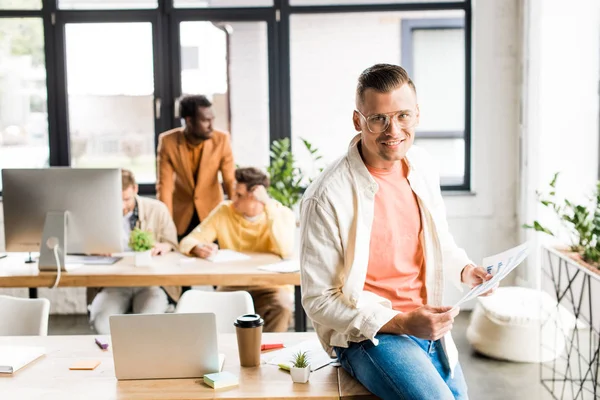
(300, 360)
(581, 220)
(288, 181)
(140, 240)
(23, 37)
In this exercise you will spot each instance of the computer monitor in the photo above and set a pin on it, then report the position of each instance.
(78, 210)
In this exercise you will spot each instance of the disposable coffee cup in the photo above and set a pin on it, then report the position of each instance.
(249, 334)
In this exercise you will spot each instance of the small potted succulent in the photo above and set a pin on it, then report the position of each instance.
(300, 369)
(141, 242)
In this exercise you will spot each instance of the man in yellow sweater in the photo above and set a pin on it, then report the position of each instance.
(253, 222)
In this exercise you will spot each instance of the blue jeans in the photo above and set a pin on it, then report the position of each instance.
(403, 367)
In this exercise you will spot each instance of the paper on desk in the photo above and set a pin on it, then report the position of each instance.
(317, 357)
(13, 358)
(227, 256)
(284, 266)
(498, 265)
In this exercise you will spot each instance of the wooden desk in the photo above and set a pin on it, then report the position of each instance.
(165, 270)
(49, 377)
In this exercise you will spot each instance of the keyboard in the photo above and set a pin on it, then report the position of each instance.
(91, 260)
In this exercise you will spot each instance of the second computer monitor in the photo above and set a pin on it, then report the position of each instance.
(91, 199)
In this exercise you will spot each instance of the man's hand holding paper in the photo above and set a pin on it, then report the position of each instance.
(485, 280)
(474, 276)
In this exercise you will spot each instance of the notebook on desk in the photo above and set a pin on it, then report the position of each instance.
(287, 266)
(225, 255)
(13, 358)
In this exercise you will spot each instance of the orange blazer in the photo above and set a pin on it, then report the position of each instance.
(179, 189)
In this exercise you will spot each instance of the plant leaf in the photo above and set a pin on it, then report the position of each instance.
(553, 182)
(539, 228)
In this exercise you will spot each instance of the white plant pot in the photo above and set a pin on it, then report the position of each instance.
(300, 375)
(143, 258)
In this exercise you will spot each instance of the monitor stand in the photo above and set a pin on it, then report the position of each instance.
(54, 234)
(29, 260)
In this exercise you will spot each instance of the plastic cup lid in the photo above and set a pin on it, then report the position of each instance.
(249, 321)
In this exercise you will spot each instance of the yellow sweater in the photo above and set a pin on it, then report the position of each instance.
(273, 232)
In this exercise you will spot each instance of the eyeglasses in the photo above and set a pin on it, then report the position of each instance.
(378, 123)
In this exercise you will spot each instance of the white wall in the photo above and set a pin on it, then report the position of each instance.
(484, 221)
(560, 127)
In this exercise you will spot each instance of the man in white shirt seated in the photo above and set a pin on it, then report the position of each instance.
(149, 215)
(376, 251)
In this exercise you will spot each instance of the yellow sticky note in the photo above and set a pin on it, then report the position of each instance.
(85, 365)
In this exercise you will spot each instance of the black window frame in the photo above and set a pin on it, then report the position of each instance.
(165, 19)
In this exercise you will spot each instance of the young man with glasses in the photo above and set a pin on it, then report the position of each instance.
(376, 249)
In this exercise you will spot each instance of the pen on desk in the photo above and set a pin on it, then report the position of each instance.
(284, 366)
(271, 346)
(102, 343)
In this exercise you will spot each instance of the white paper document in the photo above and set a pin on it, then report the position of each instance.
(317, 357)
(283, 267)
(228, 256)
(13, 358)
(498, 265)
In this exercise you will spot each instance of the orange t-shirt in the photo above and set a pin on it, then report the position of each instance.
(396, 261)
(194, 155)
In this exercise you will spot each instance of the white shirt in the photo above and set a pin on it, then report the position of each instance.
(127, 230)
(336, 219)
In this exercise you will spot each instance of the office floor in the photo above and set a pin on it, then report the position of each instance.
(487, 379)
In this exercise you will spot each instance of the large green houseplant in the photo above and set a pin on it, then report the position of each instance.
(582, 222)
(288, 181)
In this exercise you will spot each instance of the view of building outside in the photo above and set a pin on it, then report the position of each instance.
(350, 2)
(110, 84)
(240, 99)
(20, 4)
(23, 111)
(221, 3)
(324, 73)
(106, 4)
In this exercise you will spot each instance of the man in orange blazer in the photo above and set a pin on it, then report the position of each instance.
(189, 160)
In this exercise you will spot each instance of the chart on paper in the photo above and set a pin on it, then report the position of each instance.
(499, 266)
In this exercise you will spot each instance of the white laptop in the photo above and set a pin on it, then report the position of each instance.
(155, 346)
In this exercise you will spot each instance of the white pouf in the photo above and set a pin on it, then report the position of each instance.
(506, 325)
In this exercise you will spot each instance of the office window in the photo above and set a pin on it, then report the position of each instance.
(351, 2)
(189, 57)
(20, 4)
(327, 55)
(221, 3)
(23, 95)
(232, 70)
(110, 86)
(433, 51)
(106, 4)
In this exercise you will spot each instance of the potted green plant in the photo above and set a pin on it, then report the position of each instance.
(582, 222)
(141, 242)
(300, 369)
(288, 181)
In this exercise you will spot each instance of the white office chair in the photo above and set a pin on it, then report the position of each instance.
(227, 306)
(23, 317)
